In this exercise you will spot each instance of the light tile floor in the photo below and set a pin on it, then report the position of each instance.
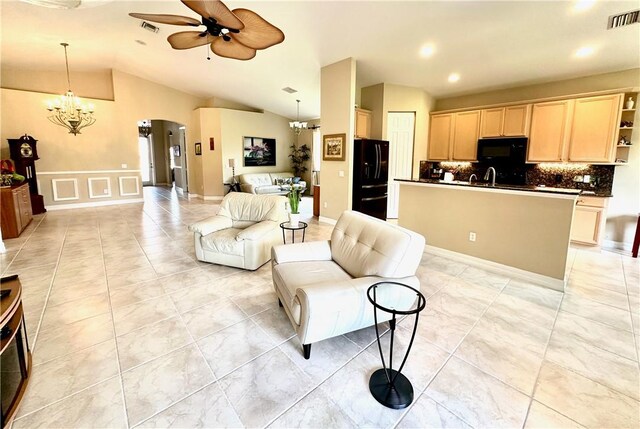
(128, 329)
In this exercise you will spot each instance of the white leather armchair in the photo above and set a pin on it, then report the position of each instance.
(243, 232)
(323, 285)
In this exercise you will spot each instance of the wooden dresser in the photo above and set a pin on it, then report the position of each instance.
(16, 210)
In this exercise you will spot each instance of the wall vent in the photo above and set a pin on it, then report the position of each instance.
(289, 90)
(623, 19)
(149, 27)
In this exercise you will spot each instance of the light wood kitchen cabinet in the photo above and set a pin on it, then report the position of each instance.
(594, 129)
(550, 128)
(466, 130)
(363, 124)
(588, 220)
(440, 137)
(505, 121)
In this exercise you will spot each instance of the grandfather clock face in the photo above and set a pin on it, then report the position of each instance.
(26, 151)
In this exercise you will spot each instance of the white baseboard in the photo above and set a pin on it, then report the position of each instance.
(213, 198)
(94, 204)
(528, 276)
(191, 195)
(327, 220)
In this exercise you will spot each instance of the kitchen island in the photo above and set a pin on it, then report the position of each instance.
(522, 231)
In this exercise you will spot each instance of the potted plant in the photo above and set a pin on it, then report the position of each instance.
(294, 204)
(299, 156)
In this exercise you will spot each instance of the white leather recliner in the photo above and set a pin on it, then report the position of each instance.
(243, 232)
(322, 285)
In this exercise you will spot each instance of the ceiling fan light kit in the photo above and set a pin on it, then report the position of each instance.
(236, 34)
(68, 111)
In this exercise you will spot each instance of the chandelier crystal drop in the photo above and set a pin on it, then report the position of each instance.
(68, 110)
(296, 125)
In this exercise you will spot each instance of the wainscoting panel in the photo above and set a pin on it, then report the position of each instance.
(99, 187)
(129, 185)
(89, 188)
(65, 189)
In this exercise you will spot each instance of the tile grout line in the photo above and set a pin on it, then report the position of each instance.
(633, 331)
(113, 326)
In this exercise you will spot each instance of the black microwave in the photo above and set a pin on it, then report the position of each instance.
(503, 150)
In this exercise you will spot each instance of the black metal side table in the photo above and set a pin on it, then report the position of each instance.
(287, 226)
(387, 385)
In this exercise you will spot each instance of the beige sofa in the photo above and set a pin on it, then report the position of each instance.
(265, 183)
(322, 285)
(243, 232)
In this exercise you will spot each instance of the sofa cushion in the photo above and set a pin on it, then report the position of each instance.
(292, 276)
(365, 246)
(284, 175)
(240, 206)
(223, 242)
(268, 189)
(256, 179)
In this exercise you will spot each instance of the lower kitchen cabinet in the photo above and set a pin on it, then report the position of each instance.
(588, 220)
(16, 210)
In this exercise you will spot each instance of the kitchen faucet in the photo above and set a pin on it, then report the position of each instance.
(488, 173)
(473, 176)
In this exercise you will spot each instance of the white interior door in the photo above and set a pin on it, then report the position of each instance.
(146, 160)
(400, 129)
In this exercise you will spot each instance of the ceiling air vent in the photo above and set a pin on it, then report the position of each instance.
(623, 19)
(289, 90)
(149, 27)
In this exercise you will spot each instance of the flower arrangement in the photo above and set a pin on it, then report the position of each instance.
(294, 195)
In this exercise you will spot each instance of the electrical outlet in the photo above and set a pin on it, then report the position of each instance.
(324, 205)
(586, 178)
(341, 173)
(472, 236)
(124, 165)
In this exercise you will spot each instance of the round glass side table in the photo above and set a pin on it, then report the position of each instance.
(286, 226)
(387, 385)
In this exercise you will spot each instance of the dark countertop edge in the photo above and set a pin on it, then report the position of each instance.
(525, 188)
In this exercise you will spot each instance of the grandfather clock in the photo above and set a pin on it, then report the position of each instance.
(24, 155)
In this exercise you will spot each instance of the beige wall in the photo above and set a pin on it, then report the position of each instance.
(196, 184)
(306, 137)
(523, 230)
(373, 99)
(625, 204)
(84, 84)
(110, 144)
(599, 82)
(228, 127)
(337, 102)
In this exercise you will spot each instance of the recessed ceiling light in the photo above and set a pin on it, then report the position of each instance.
(454, 77)
(584, 52)
(141, 42)
(426, 51)
(582, 5)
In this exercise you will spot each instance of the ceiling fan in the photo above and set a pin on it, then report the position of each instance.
(232, 34)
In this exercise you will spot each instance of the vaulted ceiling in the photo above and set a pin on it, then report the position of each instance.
(489, 44)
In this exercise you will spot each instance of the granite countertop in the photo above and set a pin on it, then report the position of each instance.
(529, 188)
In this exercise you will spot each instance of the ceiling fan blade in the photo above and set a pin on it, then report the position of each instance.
(217, 10)
(189, 39)
(258, 33)
(167, 19)
(232, 49)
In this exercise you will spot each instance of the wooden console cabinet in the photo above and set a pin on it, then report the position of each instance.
(16, 210)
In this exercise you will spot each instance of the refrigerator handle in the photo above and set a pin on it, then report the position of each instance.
(378, 158)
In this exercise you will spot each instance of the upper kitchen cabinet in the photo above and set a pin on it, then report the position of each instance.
(594, 129)
(465, 136)
(363, 124)
(505, 121)
(550, 129)
(440, 137)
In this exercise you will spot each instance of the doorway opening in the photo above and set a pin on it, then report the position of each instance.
(163, 158)
(400, 132)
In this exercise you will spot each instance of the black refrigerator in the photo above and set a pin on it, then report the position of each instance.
(370, 175)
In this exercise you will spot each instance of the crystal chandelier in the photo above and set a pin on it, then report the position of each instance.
(296, 125)
(68, 111)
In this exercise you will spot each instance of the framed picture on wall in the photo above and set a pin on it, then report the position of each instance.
(333, 147)
(259, 151)
(176, 150)
(198, 148)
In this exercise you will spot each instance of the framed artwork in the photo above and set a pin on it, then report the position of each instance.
(333, 147)
(176, 150)
(259, 151)
(198, 148)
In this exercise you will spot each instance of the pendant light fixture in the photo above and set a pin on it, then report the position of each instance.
(68, 111)
(296, 125)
